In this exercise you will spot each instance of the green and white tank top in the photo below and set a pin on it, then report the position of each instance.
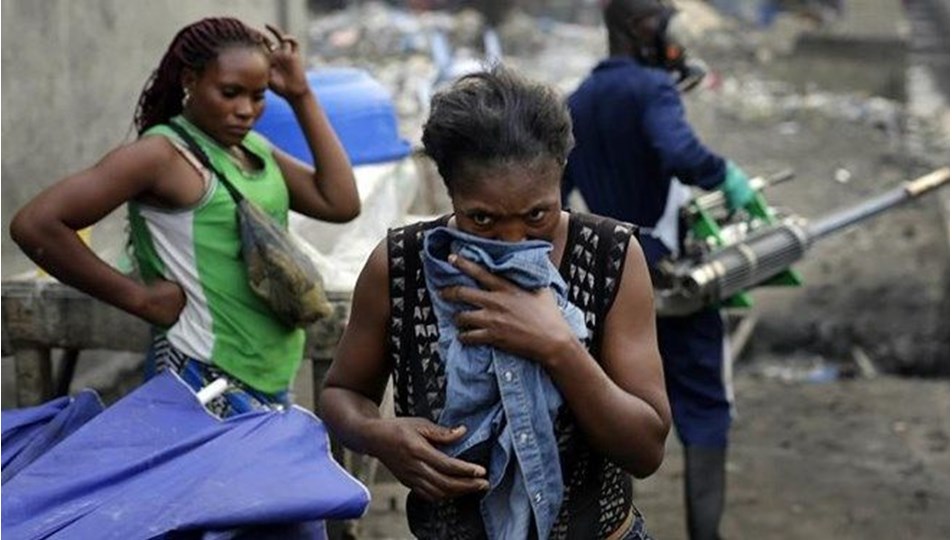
(223, 322)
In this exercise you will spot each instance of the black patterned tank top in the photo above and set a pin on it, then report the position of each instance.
(597, 495)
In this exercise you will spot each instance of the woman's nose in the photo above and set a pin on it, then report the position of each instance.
(244, 108)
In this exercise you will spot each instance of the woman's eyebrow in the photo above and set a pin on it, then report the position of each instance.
(541, 206)
(233, 85)
(480, 210)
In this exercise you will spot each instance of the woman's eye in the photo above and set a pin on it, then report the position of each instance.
(481, 219)
(259, 97)
(536, 215)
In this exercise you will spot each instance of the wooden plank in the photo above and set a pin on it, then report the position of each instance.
(40, 314)
(54, 315)
(46, 312)
(34, 372)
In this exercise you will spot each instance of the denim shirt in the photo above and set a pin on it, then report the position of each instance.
(502, 399)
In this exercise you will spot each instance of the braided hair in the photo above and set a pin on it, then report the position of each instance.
(193, 47)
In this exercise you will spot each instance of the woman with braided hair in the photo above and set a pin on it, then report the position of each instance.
(210, 85)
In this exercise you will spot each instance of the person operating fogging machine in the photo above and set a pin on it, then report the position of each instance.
(634, 157)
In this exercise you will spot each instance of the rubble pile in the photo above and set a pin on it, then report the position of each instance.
(752, 99)
(843, 145)
(402, 48)
(397, 46)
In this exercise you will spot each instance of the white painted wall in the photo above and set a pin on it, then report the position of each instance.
(72, 73)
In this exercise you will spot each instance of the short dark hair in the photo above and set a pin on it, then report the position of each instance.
(495, 117)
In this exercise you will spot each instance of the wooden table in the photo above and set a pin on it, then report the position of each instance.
(42, 314)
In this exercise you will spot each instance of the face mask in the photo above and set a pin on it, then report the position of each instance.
(669, 53)
(689, 71)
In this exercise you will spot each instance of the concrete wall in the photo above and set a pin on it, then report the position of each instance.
(72, 73)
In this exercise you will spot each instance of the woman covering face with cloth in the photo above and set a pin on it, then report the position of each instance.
(514, 332)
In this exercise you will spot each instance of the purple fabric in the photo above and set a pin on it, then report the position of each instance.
(29, 433)
(157, 461)
(21, 425)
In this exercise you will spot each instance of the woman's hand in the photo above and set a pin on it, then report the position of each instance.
(288, 78)
(327, 192)
(164, 303)
(524, 323)
(406, 446)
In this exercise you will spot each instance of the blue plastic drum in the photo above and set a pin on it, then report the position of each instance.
(359, 109)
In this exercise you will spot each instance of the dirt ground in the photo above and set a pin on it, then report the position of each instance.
(849, 459)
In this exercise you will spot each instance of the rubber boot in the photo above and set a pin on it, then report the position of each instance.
(704, 485)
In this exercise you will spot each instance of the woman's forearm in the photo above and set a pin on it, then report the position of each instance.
(350, 416)
(622, 426)
(333, 174)
(59, 251)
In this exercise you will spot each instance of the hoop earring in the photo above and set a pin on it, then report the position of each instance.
(186, 97)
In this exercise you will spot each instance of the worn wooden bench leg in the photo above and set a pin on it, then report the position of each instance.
(67, 369)
(34, 371)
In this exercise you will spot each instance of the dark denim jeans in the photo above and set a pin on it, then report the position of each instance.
(503, 400)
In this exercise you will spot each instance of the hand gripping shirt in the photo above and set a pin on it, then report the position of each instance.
(503, 400)
(223, 323)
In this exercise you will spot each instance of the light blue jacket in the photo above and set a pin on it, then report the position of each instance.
(503, 400)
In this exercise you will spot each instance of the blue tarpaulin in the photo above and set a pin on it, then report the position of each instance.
(157, 461)
(29, 433)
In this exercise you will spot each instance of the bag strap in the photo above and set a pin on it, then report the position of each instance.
(197, 151)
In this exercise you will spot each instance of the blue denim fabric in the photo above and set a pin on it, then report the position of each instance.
(238, 398)
(502, 398)
(638, 529)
